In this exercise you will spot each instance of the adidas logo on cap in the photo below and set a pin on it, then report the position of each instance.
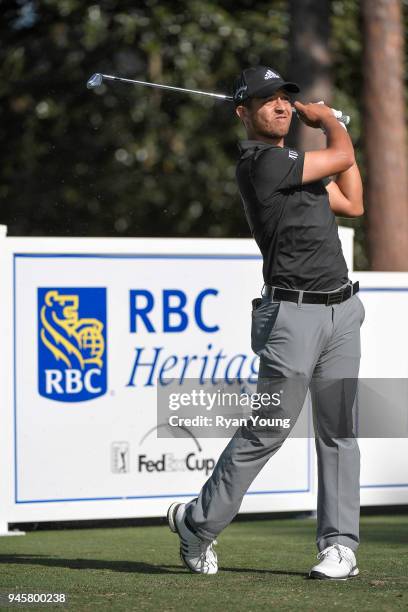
(270, 74)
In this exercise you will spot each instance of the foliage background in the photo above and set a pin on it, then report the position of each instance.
(132, 161)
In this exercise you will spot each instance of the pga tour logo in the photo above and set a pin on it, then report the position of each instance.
(72, 343)
(120, 457)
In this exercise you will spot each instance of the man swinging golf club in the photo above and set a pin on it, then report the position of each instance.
(305, 327)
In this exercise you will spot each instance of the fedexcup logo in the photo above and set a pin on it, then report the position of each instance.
(167, 462)
(71, 343)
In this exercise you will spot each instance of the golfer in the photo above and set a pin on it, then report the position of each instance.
(305, 326)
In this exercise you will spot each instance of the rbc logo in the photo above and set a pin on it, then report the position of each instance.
(71, 343)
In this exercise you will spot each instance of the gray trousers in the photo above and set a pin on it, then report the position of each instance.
(305, 345)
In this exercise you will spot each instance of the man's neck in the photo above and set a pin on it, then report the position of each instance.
(278, 142)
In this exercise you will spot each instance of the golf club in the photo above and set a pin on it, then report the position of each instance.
(96, 81)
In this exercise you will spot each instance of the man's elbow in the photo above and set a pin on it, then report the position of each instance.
(350, 209)
(358, 213)
(359, 205)
(357, 209)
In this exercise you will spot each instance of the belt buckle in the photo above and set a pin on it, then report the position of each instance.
(335, 298)
(268, 291)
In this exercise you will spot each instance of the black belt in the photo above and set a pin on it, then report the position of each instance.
(310, 297)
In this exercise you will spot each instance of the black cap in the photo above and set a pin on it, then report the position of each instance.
(259, 82)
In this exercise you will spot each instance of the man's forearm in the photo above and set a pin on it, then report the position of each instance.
(337, 138)
(349, 183)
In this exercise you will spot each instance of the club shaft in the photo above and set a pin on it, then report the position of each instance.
(170, 87)
(344, 118)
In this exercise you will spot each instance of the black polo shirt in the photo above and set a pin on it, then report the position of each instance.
(293, 224)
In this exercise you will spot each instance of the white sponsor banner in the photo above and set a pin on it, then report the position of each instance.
(83, 438)
(89, 325)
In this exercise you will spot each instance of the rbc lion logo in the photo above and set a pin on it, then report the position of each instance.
(72, 343)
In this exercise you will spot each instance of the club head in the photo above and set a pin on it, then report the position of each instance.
(94, 81)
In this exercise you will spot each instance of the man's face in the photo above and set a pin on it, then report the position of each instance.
(269, 117)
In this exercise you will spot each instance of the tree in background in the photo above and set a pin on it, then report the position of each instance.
(386, 184)
(127, 161)
(310, 62)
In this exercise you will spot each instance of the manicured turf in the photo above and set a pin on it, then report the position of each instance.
(263, 566)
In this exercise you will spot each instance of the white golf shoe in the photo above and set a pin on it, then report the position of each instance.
(197, 555)
(337, 562)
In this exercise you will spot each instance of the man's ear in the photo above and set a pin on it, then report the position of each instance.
(241, 111)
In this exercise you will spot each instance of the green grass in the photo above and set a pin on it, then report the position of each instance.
(263, 566)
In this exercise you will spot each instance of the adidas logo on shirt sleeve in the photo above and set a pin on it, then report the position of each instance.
(293, 154)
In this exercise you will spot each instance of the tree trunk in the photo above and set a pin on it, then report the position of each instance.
(386, 185)
(310, 63)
